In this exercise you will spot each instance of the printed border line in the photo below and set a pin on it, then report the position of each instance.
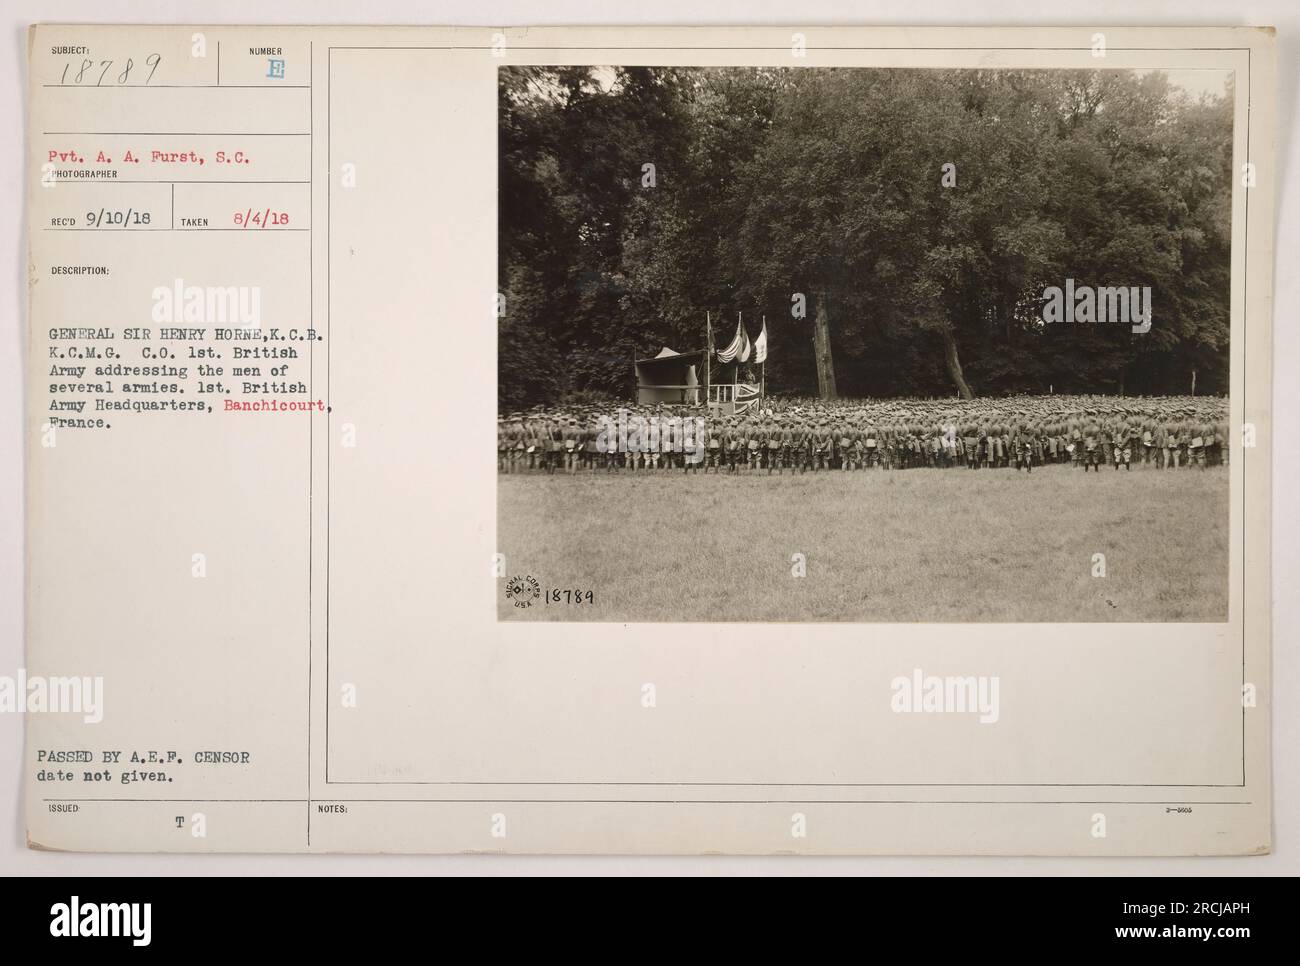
(1245, 369)
(328, 353)
(311, 379)
(735, 784)
(182, 87)
(786, 47)
(613, 801)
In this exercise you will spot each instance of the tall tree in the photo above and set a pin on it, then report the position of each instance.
(919, 216)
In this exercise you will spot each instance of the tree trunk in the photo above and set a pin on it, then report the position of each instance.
(822, 349)
(954, 365)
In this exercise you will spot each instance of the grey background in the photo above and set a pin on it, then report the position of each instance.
(16, 859)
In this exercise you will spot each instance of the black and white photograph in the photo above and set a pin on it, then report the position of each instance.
(864, 344)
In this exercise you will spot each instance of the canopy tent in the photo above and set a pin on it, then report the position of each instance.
(670, 378)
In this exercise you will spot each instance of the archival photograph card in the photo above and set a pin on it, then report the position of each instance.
(882, 440)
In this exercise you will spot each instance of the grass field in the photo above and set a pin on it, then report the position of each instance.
(912, 545)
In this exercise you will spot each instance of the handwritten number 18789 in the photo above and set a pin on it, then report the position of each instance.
(87, 71)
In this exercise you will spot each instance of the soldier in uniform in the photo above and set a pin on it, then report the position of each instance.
(1123, 448)
(752, 452)
(653, 456)
(1196, 448)
(825, 446)
(571, 440)
(713, 449)
(733, 445)
(517, 443)
(772, 446)
(859, 448)
(1026, 455)
(1173, 448)
(611, 455)
(1091, 449)
(591, 455)
(541, 450)
(635, 443)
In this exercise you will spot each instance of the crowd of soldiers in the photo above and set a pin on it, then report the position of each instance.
(802, 436)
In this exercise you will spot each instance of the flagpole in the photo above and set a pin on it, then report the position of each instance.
(708, 356)
(762, 366)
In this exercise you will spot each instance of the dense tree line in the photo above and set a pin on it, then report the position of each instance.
(633, 200)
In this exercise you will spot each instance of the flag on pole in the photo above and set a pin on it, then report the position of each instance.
(739, 348)
(760, 345)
